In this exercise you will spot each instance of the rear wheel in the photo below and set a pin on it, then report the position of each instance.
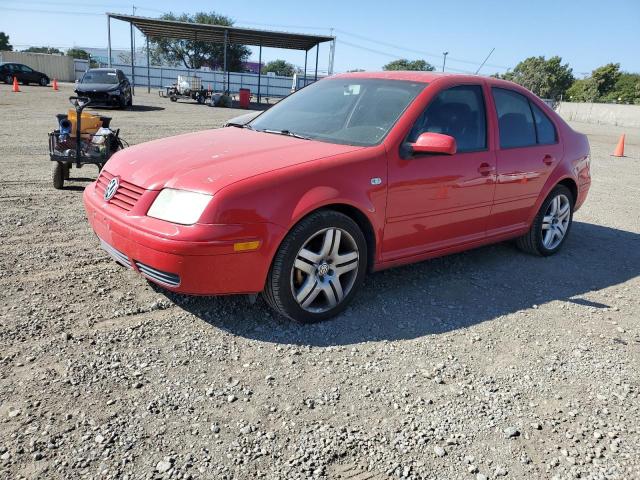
(551, 226)
(57, 176)
(8, 79)
(318, 268)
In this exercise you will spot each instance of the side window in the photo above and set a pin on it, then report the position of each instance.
(515, 120)
(544, 128)
(458, 112)
(25, 69)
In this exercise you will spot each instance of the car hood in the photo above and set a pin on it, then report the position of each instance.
(95, 87)
(212, 159)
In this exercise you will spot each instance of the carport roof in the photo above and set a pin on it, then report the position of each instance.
(154, 27)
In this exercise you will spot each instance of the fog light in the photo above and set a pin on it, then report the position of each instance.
(245, 246)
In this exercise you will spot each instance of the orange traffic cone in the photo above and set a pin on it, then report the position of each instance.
(619, 151)
(15, 88)
(55, 84)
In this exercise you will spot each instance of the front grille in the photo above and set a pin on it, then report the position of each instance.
(127, 194)
(165, 278)
(117, 255)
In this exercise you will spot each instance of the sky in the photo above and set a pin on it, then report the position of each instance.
(585, 33)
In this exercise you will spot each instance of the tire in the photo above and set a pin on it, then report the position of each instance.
(44, 81)
(58, 176)
(122, 103)
(66, 167)
(130, 102)
(8, 79)
(323, 292)
(173, 98)
(540, 239)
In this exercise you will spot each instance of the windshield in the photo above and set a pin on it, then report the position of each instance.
(100, 77)
(350, 111)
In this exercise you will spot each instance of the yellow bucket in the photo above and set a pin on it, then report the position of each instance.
(89, 124)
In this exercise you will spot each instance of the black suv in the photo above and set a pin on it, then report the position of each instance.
(24, 74)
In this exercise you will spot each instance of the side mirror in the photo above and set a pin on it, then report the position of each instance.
(429, 142)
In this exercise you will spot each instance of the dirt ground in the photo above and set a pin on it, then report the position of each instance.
(485, 364)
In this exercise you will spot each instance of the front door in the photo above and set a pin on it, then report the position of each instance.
(440, 201)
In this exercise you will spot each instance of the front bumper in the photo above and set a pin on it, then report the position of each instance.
(195, 259)
(109, 99)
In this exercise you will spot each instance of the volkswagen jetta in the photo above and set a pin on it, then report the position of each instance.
(352, 174)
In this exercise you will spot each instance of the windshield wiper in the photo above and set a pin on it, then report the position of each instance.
(285, 132)
(239, 125)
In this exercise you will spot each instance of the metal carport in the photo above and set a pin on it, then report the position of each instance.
(157, 28)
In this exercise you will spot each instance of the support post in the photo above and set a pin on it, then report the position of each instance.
(315, 78)
(259, 71)
(133, 72)
(225, 82)
(304, 78)
(332, 53)
(108, 41)
(148, 68)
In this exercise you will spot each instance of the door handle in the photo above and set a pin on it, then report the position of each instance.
(485, 169)
(548, 159)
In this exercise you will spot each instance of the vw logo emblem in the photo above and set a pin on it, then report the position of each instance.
(112, 188)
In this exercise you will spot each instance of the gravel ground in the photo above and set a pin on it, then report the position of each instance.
(481, 365)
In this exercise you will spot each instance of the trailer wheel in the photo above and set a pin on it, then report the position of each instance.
(200, 99)
(58, 176)
(173, 98)
(67, 170)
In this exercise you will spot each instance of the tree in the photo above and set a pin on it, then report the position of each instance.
(49, 50)
(404, 64)
(606, 78)
(4, 43)
(585, 90)
(193, 54)
(78, 53)
(280, 68)
(545, 78)
(607, 84)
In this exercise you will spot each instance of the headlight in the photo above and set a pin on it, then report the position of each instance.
(179, 206)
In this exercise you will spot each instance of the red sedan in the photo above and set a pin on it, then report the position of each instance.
(355, 173)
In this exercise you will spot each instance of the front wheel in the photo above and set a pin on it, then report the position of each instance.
(318, 268)
(551, 226)
(44, 81)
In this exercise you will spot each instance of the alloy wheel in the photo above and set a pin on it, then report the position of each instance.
(325, 270)
(555, 222)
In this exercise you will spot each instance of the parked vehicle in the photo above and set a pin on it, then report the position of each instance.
(23, 73)
(355, 173)
(106, 86)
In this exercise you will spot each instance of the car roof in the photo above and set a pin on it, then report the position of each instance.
(408, 75)
(102, 70)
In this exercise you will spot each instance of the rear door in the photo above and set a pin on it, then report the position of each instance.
(528, 150)
(440, 201)
(28, 75)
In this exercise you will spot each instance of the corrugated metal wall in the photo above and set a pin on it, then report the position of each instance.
(59, 67)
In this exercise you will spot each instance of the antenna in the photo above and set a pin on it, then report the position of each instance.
(485, 60)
